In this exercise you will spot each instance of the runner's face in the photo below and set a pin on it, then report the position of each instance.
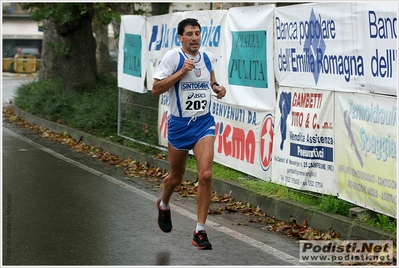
(191, 39)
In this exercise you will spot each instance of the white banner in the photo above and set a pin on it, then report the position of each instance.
(244, 138)
(132, 58)
(162, 36)
(345, 46)
(366, 150)
(162, 33)
(163, 116)
(246, 68)
(303, 145)
(323, 54)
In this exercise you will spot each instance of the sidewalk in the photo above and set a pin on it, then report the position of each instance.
(5, 74)
(281, 209)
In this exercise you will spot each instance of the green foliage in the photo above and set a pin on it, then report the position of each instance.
(94, 111)
(45, 99)
(384, 222)
(66, 12)
(334, 205)
(59, 48)
(60, 12)
(24, 95)
(139, 117)
(105, 14)
(11, 69)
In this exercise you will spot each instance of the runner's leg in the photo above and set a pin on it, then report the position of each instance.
(203, 152)
(177, 162)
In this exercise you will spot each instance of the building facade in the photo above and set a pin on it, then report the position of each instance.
(18, 29)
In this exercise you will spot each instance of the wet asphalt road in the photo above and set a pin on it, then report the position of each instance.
(61, 207)
(65, 208)
(10, 84)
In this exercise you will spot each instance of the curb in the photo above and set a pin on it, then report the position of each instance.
(5, 74)
(281, 209)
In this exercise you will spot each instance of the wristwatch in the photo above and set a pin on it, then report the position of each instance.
(214, 83)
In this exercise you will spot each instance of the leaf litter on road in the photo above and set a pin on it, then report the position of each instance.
(155, 175)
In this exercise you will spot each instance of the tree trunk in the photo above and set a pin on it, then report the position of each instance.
(124, 9)
(159, 8)
(50, 65)
(102, 53)
(79, 59)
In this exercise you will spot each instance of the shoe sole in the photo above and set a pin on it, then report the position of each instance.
(157, 206)
(200, 248)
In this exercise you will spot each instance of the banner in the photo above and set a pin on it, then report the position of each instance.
(366, 150)
(163, 116)
(162, 36)
(132, 58)
(244, 138)
(342, 46)
(303, 144)
(315, 134)
(246, 68)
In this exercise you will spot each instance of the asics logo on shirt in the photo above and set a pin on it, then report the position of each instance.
(196, 95)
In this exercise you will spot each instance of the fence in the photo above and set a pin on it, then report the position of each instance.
(332, 127)
(138, 117)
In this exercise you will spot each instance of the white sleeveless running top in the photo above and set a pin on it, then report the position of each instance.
(191, 95)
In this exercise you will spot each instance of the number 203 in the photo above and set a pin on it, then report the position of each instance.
(196, 105)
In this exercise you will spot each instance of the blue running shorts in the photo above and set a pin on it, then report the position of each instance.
(184, 132)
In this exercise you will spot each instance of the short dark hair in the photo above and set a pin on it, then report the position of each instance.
(185, 22)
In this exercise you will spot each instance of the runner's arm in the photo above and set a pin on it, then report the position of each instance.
(162, 85)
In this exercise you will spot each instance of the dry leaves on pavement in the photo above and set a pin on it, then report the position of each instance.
(155, 175)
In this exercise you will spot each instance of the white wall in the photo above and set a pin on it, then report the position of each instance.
(24, 28)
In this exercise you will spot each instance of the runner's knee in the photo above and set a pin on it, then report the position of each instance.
(205, 177)
(177, 180)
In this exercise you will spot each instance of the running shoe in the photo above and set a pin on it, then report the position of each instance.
(164, 219)
(200, 240)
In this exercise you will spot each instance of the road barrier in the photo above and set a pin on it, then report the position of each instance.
(7, 64)
(25, 64)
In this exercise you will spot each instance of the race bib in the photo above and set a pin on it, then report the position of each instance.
(196, 100)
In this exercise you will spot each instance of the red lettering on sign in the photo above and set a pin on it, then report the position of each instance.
(163, 127)
(234, 142)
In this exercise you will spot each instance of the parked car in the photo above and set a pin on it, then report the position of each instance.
(113, 54)
(24, 51)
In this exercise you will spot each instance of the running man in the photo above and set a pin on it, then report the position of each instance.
(187, 74)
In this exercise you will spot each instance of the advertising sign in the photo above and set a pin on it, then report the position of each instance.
(345, 46)
(132, 58)
(366, 151)
(303, 148)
